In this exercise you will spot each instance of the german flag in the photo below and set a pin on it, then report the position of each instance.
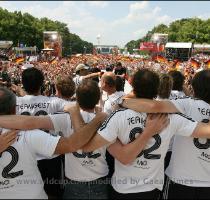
(194, 63)
(208, 63)
(19, 60)
(53, 61)
(161, 59)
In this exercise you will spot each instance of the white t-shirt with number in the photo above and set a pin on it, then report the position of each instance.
(147, 172)
(39, 105)
(19, 175)
(190, 160)
(81, 166)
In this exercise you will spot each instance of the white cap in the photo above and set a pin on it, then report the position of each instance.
(81, 66)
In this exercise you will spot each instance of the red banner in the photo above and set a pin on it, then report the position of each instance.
(150, 46)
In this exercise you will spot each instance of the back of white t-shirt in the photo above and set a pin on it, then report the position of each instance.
(80, 166)
(39, 105)
(19, 174)
(190, 159)
(147, 171)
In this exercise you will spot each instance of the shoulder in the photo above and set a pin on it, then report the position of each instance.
(114, 116)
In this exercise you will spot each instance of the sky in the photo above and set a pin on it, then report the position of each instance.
(113, 22)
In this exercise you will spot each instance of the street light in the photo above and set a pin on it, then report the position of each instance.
(54, 36)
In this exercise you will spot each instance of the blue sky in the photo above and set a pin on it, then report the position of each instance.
(117, 22)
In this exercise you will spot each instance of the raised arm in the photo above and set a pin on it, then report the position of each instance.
(76, 117)
(23, 122)
(149, 106)
(127, 153)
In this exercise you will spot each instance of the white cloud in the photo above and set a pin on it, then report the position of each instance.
(140, 18)
(204, 16)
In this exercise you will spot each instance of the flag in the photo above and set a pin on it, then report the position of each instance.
(161, 59)
(194, 63)
(53, 61)
(18, 60)
(208, 63)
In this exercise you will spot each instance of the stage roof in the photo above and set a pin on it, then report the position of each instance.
(179, 45)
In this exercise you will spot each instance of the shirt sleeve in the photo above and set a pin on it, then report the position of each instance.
(42, 143)
(182, 125)
(109, 129)
(62, 124)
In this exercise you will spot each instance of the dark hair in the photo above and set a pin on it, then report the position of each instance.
(201, 85)
(165, 87)
(88, 94)
(178, 80)
(110, 80)
(119, 84)
(145, 84)
(7, 101)
(66, 86)
(32, 80)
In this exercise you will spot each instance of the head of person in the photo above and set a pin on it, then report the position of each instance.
(201, 85)
(88, 94)
(145, 84)
(7, 102)
(178, 80)
(65, 87)
(165, 87)
(108, 82)
(32, 79)
(82, 70)
(119, 84)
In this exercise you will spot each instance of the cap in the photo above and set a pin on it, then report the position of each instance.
(81, 66)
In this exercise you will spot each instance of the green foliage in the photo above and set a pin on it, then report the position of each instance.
(184, 30)
(26, 29)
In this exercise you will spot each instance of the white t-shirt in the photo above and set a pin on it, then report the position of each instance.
(175, 94)
(39, 105)
(78, 80)
(190, 160)
(19, 175)
(111, 101)
(147, 171)
(81, 166)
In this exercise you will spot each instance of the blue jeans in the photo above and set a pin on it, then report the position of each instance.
(97, 189)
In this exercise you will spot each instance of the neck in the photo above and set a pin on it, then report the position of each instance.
(111, 91)
(89, 110)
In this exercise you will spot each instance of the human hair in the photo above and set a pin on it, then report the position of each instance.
(119, 84)
(165, 87)
(201, 85)
(7, 101)
(88, 94)
(178, 80)
(145, 84)
(110, 79)
(32, 80)
(66, 86)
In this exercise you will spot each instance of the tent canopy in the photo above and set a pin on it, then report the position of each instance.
(179, 45)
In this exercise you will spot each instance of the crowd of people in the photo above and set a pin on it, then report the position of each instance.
(105, 127)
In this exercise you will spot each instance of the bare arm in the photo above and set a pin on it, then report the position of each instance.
(126, 154)
(149, 106)
(76, 118)
(80, 137)
(202, 130)
(93, 75)
(7, 139)
(22, 122)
